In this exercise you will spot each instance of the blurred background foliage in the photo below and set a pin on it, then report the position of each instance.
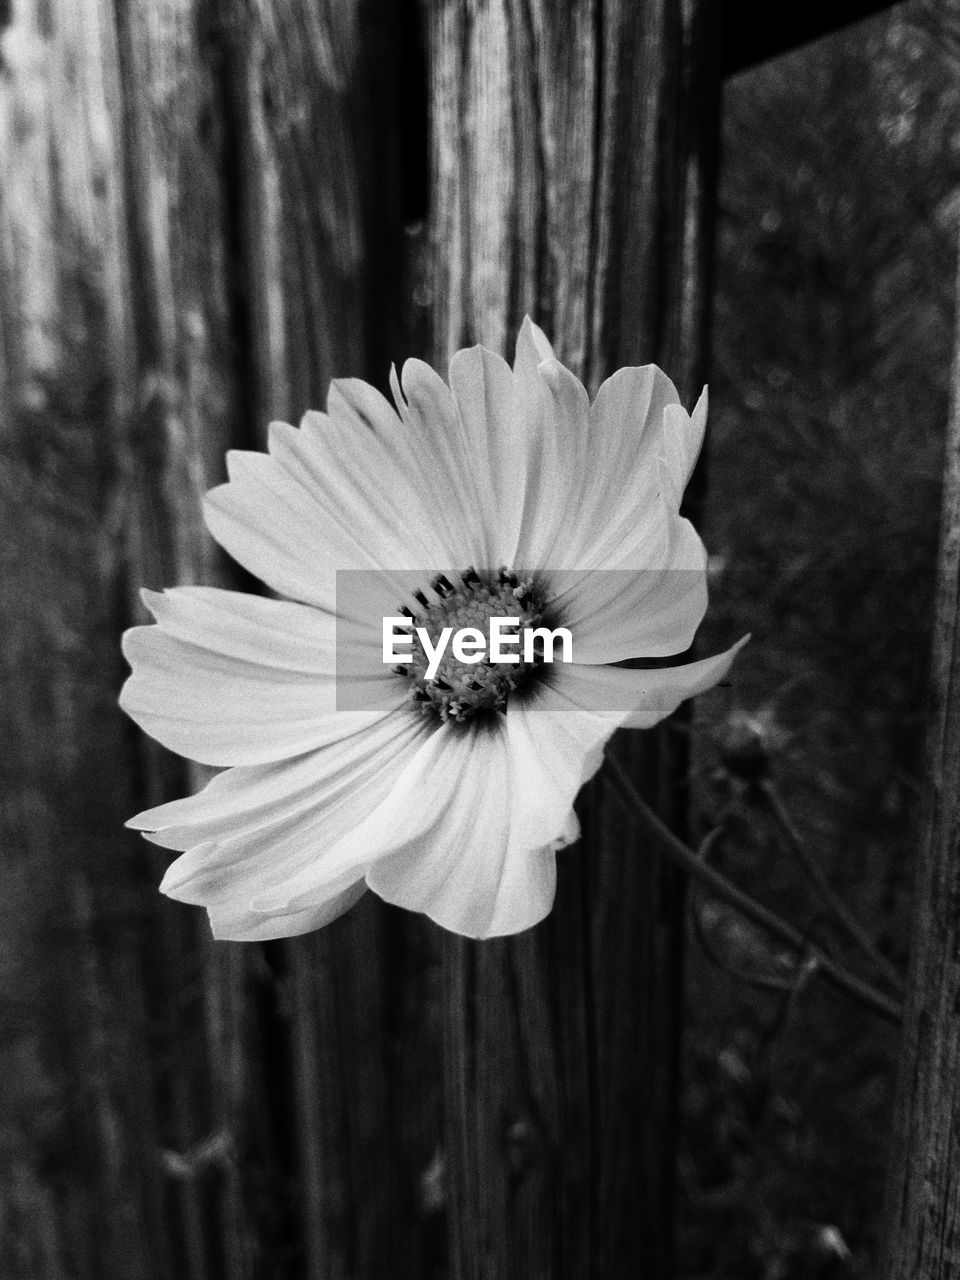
(840, 191)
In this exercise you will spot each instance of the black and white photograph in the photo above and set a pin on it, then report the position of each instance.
(479, 640)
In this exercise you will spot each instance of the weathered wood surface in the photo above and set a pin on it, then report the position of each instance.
(200, 225)
(922, 1216)
(312, 95)
(573, 179)
(111, 309)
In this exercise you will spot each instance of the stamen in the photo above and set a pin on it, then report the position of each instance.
(460, 690)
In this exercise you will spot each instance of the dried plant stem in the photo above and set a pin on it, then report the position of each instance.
(831, 899)
(681, 854)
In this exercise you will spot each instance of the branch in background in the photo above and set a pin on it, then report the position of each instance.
(685, 857)
(830, 898)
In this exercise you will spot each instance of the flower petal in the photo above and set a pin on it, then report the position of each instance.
(532, 349)
(253, 830)
(452, 459)
(622, 474)
(620, 464)
(555, 411)
(275, 529)
(226, 678)
(524, 433)
(366, 464)
(618, 613)
(251, 798)
(454, 856)
(558, 732)
(637, 697)
(274, 633)
(233, 924)
(366, 513)
(441, 842)
(355, 488)
(484, 390)
(682, 441)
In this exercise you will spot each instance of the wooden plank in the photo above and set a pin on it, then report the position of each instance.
(313, 95)
(119, 355)
(60, 227)
(574, 172)
(922, 1215)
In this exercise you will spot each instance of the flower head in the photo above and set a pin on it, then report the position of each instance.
(444, 783)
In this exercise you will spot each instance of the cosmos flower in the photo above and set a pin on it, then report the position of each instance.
(447, 795)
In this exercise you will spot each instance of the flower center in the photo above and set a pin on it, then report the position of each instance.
(458, 689)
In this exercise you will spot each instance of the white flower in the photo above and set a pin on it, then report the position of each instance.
(449, 798)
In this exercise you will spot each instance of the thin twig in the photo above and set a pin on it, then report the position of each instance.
(832, 900)
(675, 849)
(767, 981)
(764, 981)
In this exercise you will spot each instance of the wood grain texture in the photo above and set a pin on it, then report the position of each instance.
(574, 171)
(199, 226)
(100, 477)
(312, 95)
(574, 178)
(922, 1217)
(313, 99)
